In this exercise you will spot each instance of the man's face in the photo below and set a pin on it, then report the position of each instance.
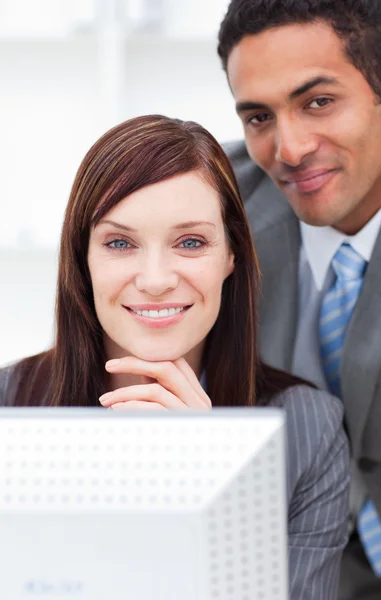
(311, 121)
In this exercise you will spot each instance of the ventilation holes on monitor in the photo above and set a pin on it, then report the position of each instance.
(249, 553)
(51, 473)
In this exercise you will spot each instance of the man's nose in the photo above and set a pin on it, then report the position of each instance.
(156, 275)
(294, 142)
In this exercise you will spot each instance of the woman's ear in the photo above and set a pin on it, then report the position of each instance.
(230, 264)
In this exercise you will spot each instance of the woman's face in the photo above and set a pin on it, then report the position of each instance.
(157, 262)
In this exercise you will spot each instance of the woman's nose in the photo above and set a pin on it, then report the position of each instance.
(155, 277)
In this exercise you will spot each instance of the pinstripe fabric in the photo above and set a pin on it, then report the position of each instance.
(317, 487)
(336, 312)
(7, 385)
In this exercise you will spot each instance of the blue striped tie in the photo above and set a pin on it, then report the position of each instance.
(336, 312)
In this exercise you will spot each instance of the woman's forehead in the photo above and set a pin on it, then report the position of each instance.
(186, 197)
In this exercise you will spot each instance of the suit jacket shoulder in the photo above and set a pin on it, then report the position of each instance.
(265, 204)
(318, 475)
(8, 384)
(248, 174)
(26, 382)
(276, 236)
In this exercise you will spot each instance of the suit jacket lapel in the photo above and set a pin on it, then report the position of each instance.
(361, 358)
(276, 238)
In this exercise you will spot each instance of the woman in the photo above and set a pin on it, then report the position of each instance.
(158, 279)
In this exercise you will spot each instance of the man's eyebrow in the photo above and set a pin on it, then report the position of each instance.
(186, 225)
(299, 91)
(308, 85)
(243, 106)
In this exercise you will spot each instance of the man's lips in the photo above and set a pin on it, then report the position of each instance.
(310, 180)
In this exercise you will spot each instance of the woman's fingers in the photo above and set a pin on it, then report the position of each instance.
(150, 393)
(191, 376)
(168, 375)
(138, 405)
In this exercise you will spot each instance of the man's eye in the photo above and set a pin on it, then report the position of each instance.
(260, 118)
(320, 102)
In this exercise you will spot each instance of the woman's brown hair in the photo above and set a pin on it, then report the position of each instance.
(137, 153)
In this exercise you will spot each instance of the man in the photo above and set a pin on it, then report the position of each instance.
(306, 78)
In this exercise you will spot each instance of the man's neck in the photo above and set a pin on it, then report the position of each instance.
(354, 222)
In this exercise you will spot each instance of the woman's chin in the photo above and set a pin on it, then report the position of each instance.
(158, 355)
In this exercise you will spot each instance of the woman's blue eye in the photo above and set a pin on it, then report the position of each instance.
(191, 243)
(119, 244)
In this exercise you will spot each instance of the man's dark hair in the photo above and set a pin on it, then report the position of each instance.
(356, 22)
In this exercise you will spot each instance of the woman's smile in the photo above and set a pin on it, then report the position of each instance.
(158, 316)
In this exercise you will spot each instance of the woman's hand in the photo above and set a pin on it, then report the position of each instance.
(175, 386)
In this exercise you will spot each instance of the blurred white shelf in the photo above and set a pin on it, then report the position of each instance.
(28, 251)
(43, 37)
(143, 38)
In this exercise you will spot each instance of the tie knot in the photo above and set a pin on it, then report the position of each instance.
(348, 264)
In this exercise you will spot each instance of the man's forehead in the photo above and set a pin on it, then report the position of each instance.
(286, 55)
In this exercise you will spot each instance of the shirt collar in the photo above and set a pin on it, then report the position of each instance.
(321, 243)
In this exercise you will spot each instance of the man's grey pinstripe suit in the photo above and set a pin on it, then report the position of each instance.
(276, 236)
(317, 486)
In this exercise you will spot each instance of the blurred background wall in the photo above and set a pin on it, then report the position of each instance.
(70, 70)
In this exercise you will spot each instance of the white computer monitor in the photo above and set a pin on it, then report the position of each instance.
(97, 505)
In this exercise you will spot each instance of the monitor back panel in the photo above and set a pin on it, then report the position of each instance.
(94, 506)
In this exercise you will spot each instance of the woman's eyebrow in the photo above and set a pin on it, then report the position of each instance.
(190, 224)
(118, 225)
(186, 225)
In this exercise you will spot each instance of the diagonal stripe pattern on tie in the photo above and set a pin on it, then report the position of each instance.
(336, 312)
(369, 530)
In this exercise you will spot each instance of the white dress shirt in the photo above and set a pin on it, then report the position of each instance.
(318, 247)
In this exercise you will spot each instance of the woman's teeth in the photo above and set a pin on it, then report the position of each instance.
(158, 314)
